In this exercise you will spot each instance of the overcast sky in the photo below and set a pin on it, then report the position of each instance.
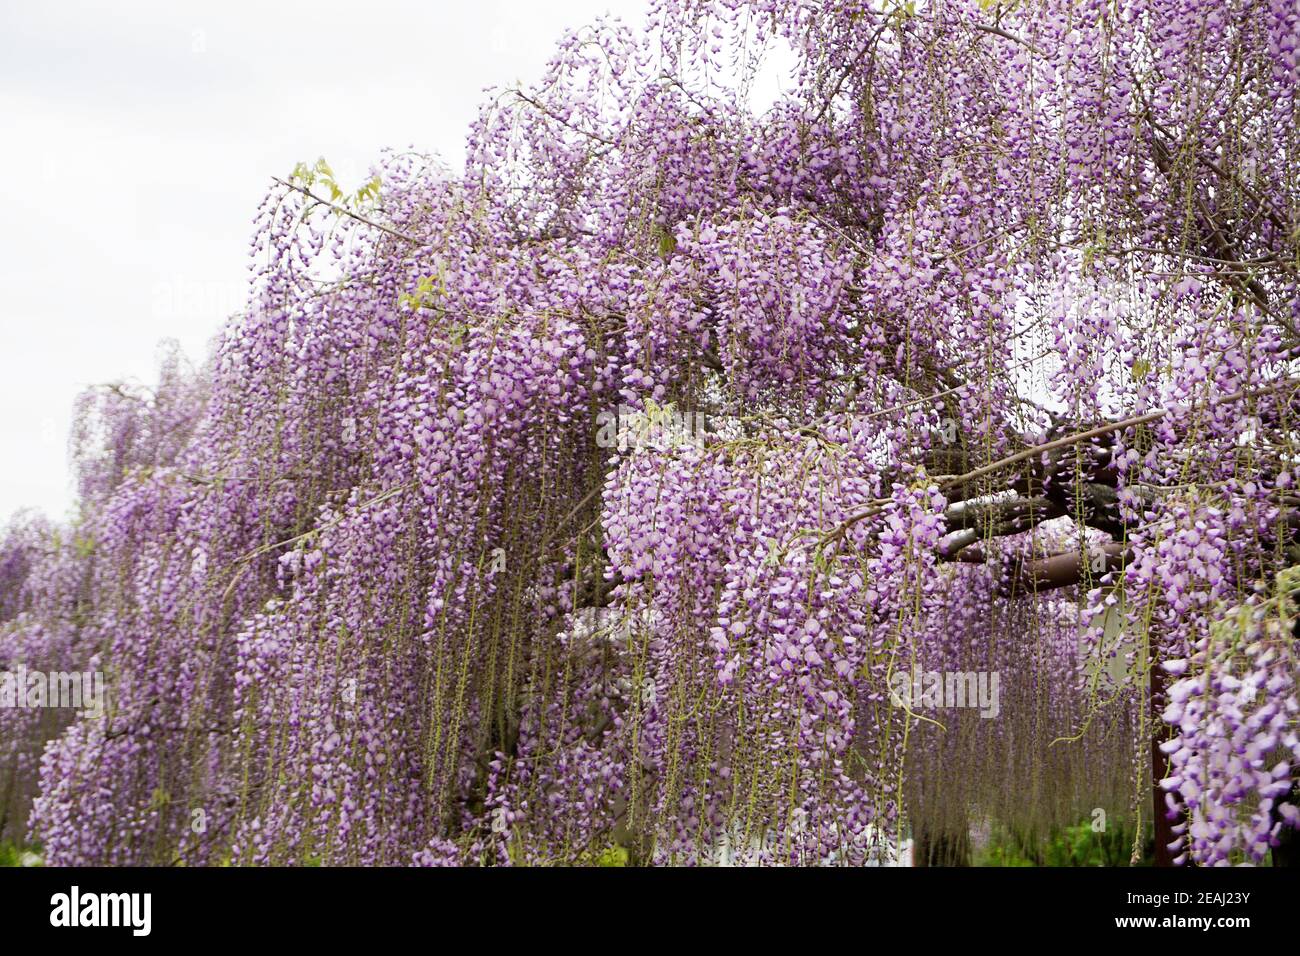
(138, 139)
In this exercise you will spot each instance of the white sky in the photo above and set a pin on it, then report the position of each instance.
(136, 140)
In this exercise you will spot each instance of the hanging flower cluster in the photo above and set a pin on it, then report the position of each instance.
(1234, 708)
(646, 491)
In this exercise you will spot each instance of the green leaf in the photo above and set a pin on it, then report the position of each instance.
(612, 856)
(667, 242)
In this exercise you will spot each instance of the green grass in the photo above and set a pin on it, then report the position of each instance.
(13, 855)
(1071, 846)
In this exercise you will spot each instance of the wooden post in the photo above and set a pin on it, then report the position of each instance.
(1159, 770)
